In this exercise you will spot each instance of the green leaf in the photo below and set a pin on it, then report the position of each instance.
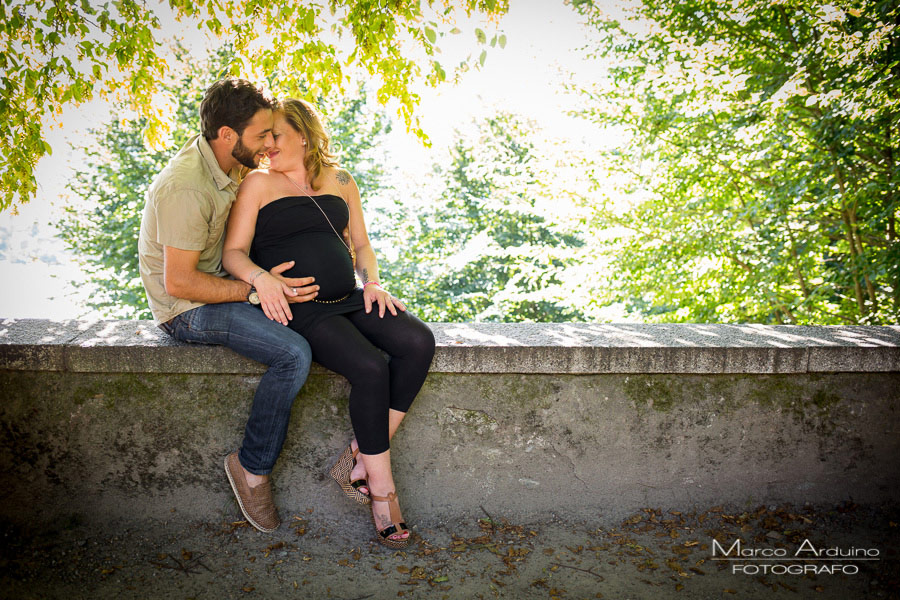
(480, 36)
(129, 33)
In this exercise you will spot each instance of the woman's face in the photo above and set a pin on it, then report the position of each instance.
(289, 149)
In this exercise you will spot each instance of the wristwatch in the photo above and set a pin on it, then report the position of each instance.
(253, 297)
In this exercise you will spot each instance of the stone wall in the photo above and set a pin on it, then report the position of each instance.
(113, 421)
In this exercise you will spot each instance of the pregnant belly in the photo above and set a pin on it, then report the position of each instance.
(315, 255)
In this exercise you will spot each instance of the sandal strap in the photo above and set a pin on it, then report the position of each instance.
(393, 506)
(393, 529)
(391, 497)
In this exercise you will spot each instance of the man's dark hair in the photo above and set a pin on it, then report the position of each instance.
(231, 102)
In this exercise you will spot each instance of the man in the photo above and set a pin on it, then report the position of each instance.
(192, 299)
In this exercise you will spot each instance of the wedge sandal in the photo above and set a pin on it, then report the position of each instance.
(340, 472)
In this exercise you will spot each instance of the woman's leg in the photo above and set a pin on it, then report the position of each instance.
(338, 345)
(395, 417)
(410, 344)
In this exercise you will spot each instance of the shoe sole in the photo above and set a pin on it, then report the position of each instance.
(241, 502)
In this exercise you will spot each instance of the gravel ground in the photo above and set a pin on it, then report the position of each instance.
(653, 554)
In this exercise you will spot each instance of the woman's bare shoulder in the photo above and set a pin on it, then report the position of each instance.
(257, 178)
(338, 178)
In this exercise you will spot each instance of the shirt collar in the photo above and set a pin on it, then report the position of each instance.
(222, 179)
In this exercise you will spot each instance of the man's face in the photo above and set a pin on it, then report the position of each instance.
(256, 140)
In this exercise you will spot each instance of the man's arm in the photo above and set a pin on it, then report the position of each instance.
(183, 280)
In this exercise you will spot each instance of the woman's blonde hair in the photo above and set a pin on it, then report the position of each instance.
(305, 120)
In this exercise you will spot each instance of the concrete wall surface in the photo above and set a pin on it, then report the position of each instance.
(112, 420)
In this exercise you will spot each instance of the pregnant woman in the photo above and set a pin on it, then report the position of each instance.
(306, 209)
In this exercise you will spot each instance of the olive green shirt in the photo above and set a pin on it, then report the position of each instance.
(187, 208)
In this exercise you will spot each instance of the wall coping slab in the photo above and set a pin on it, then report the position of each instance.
(121, 346)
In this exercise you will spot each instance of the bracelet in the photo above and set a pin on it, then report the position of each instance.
(370, 283)
(255, 275)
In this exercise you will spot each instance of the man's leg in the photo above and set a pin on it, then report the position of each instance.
(246, 330)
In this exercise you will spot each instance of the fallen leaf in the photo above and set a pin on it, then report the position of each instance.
(418, 573)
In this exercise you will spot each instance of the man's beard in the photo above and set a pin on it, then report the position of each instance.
(244, 155)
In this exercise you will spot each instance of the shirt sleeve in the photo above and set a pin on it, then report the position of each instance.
(182, 220)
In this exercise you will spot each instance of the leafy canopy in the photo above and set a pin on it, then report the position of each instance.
(496, 242)
(55, 53)
(762, 159)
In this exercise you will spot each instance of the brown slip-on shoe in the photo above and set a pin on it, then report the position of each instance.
(256, 502)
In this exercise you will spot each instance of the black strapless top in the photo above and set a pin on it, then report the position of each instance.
(292, 228)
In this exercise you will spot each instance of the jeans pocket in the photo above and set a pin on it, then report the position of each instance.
(207, 324)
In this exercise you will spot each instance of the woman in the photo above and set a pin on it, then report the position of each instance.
(306, 209)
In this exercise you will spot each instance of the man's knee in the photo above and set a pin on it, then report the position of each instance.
(295, 355)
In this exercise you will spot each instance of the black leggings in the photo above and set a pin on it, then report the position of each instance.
(351, 345)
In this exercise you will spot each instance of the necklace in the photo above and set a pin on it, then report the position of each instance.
(340, 237)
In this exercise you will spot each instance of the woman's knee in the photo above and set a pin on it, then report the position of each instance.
(421, 341)
(370, 370)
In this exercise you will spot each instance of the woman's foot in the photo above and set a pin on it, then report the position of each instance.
(359, 471)
(392, 531)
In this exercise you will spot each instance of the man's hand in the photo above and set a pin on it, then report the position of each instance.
(296, 289)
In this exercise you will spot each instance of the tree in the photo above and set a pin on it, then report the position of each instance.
(762, 159)
(59, 52)
(102, 228)
(497, 244)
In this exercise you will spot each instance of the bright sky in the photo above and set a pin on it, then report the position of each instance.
(544, 38)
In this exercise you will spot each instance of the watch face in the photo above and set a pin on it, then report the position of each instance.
(253, 298)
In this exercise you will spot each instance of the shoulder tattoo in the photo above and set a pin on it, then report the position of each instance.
(343, 177)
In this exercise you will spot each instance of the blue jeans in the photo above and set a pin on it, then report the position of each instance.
(247, 331)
